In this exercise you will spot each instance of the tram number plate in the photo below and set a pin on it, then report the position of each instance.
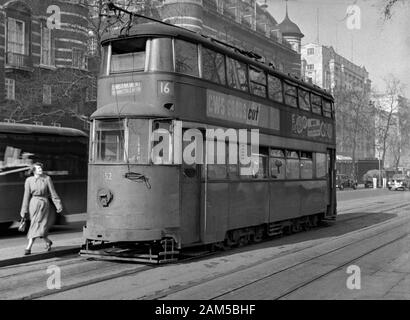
(165, 88)
(108, 176)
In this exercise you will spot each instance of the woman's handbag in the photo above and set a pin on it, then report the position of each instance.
(23, 225)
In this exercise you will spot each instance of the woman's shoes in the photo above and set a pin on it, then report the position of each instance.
(27, 252)
(48, 245)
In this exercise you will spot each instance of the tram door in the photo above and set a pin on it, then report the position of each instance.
(190, 201)
(331, 165)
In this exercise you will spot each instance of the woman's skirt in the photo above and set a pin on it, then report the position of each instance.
(39, 217)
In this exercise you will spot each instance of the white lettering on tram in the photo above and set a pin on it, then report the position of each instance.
(235, 109)
(222, 146)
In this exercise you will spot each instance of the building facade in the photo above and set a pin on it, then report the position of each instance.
(246, 24)
(324, 67)
(44, 64)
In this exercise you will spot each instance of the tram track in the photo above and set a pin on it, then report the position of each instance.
(170, 295)
(138, 269)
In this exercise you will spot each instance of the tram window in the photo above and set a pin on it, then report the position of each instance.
(275, 89)
(237, 74)
(321, 165)
(292, 165)
(258, 81)
(213, 66)
(232, 149)
(128, 56)
(291, 97)
(304, 100)
(316, 104)
(109, 140)
(262, 172)
(161, 55)
(277, 164)
(104, 61)
(327, 109)
(306, 165)
(138, 141)
(186, 58)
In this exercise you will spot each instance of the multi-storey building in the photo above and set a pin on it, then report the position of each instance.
(43, 62)
(333, 72)
(246, 24)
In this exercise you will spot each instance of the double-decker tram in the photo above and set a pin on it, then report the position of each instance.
(164, 85)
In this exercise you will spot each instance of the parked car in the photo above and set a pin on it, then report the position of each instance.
(398, 182)
(397, 185)
(344, 181)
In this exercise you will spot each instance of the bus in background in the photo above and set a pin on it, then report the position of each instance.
(64, 153)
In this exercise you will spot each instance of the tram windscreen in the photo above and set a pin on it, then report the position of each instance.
(109, 136)
(128, 56)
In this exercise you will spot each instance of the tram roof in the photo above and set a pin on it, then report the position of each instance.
(22, 128)
(164, 29)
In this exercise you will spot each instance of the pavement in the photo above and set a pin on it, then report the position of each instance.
(68, 239)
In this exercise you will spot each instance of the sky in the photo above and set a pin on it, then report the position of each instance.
(383, 47)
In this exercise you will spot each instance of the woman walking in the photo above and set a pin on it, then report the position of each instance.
(37, 189)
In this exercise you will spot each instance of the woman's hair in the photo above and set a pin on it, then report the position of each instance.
(33, 167)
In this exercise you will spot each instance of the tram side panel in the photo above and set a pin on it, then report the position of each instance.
(121, 209)
(249, 204)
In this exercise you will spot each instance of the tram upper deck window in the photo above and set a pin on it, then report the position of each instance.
(258, 81)
(186, 58)
(237, 74)
(109, 141)
(128, 55)
(327, 109)
(291, 96)
(213, 66)
(316, 104)
(304, 100)
(275, 89)
(161, 55)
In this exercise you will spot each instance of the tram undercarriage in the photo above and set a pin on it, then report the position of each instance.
(165, 250)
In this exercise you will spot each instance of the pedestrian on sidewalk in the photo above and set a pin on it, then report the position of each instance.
(37, 189)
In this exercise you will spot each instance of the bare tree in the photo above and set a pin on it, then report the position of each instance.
(388, 7)
(356, 119)
(386, 114)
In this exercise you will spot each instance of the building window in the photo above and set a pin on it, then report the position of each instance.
(47, 94)
(311, 67)
(10, 85)
(15, 36)
(79, 59)
(311, 51)
(91, 93)
(47, 57)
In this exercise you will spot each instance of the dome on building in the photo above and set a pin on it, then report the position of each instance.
(289, 28)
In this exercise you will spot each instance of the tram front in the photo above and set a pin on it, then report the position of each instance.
(132, 193)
